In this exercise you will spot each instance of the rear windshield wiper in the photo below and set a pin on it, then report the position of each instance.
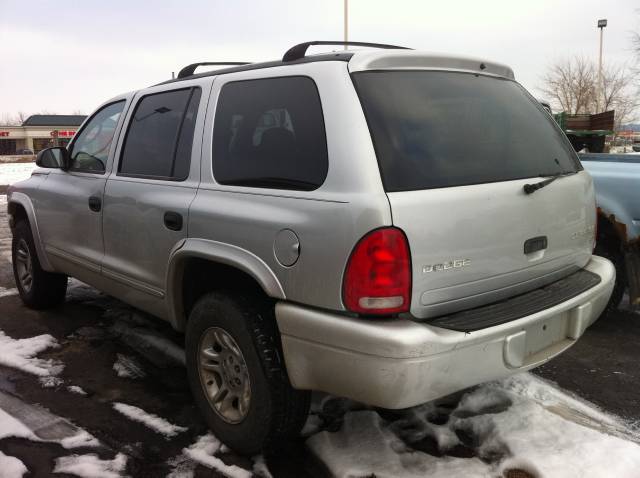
(532, 188)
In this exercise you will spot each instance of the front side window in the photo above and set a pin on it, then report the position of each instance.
(159, 139)
(434, 129)
(90, 149)
(270, 134)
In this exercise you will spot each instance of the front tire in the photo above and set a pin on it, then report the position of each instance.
(38, 288)
(237, 375)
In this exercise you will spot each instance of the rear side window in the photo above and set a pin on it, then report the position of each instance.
(440, 129)
(160, 136)
(270, 134)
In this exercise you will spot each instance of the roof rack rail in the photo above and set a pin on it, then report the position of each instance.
(298, 51)
(190, 69)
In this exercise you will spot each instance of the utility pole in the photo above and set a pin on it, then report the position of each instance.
(346, 22)
(601, 24)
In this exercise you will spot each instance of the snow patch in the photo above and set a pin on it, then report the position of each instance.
(8, 292)
(10, 427)
(128, 367)
(13, 172)
(21, 354)
(90, 466)
(11, 467)
(81, 439)
(521, 422)
(50, 381)
(203, 452)
(260, 467)
(76, 389)
(366, 445)
(312, 425)
(157, 424)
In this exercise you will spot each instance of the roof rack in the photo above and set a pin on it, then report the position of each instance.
(190, 69)
(298, 51)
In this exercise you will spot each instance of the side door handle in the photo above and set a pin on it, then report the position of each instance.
(173, 221)
(95, 203)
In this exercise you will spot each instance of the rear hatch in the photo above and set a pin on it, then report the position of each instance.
(455, 150)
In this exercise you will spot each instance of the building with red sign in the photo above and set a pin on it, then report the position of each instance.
(38, 132)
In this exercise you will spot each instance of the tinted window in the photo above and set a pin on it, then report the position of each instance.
(440, 129)
(160, 136)
(90, 148)
(270, 133)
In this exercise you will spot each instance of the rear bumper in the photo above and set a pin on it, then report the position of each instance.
(401, 363)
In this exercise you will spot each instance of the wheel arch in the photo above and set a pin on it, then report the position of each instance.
(20, 207)
(199, 265)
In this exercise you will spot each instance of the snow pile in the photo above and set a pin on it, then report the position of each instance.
(203, 452)
(128, 367)
(157, 424)
(518, 423)
(13, 172)
(21, 354)
(90, 466)
(11, 467)
(366, 446)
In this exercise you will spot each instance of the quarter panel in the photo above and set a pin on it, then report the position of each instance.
(327, 231)
(617, 192)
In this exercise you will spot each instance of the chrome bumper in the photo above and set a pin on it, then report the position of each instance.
(400, 363)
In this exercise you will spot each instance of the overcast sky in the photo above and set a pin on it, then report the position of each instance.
(64, 56)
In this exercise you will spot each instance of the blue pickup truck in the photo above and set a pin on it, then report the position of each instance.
(617, 182)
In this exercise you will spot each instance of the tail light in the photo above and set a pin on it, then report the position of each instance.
(377, 280)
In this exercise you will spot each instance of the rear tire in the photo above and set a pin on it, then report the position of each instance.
(609, 251)
(242, 328)
(38, 288)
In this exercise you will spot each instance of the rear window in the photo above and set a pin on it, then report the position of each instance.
(269, 133)
(442, 129)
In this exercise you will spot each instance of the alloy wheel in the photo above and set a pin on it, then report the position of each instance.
(224, 375)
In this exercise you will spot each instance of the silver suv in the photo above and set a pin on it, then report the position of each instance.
(385, 225)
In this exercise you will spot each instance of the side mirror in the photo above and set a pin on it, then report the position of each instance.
(57, 157)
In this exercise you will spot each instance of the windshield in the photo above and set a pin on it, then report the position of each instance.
(436, 129)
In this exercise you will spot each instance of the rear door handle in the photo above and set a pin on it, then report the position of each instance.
(173, 220)
(95, 203)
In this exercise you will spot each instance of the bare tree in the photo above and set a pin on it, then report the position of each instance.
(618, 93)
(13, 120)
(21, 116)
(572, 86)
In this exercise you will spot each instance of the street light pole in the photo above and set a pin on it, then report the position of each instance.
(346, 22)
(601, 24)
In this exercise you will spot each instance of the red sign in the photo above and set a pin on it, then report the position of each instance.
(4, 134)
(62, 134)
